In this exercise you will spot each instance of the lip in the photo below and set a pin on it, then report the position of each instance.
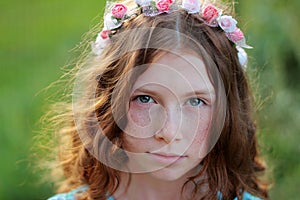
(166, 158)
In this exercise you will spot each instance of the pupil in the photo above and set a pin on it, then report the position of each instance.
(195, 101)
(144, 99)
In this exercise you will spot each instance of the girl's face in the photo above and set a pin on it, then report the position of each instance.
(169, 116)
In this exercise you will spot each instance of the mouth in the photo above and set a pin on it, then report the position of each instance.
(166, 158)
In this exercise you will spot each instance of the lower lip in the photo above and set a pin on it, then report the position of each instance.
(166, 159)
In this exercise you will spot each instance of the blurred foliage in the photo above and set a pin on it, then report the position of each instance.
(272, 28)
(36, 37)
(35, 41)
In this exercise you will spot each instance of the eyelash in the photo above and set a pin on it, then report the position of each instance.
(138, 98)
(200, 101)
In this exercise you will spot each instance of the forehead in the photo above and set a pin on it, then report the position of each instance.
(180, 71)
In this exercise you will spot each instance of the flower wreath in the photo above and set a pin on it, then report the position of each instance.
(210, 14)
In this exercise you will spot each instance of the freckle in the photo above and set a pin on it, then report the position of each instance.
(202, 135)
(140, 117)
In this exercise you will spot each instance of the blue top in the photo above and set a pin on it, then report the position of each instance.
(72, 195)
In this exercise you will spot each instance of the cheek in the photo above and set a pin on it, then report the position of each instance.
(139, 116)
(144, 121)
(197, 132)
(136, 144)
(200, 146)
(129, 143)
(197, 123)
(202, 133)
(138, 120)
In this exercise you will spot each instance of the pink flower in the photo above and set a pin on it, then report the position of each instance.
(192, 6)
(227, 23)
(210, 13)
(119, 10)
(235, 36)
(105, 34)
(164, 5)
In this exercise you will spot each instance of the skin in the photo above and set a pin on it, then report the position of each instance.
(166, 137)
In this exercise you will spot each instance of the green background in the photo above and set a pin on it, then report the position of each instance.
(35, 41)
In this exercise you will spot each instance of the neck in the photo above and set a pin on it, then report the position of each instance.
(147, 187)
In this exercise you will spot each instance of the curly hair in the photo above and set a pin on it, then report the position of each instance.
(231, 167)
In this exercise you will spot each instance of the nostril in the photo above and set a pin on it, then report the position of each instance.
(169, 132)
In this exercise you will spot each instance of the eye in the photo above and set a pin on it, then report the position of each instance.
(196, 102)
(144, 99)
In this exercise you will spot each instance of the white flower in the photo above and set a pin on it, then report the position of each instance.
(242, 55)
(227, 23)
(192, 6)
(110, 22)
(242, 43)
(143, 2)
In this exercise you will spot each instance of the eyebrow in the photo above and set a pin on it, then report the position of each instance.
(201, 92)
(144, 90)
(209, 92)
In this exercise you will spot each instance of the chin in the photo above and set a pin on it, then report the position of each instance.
(167, 174)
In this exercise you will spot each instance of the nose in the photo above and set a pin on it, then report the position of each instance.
(171, 128)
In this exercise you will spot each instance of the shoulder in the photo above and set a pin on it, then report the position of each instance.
(73, 194)
(246, 196)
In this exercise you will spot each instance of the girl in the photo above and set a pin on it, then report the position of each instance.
(161, 108)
